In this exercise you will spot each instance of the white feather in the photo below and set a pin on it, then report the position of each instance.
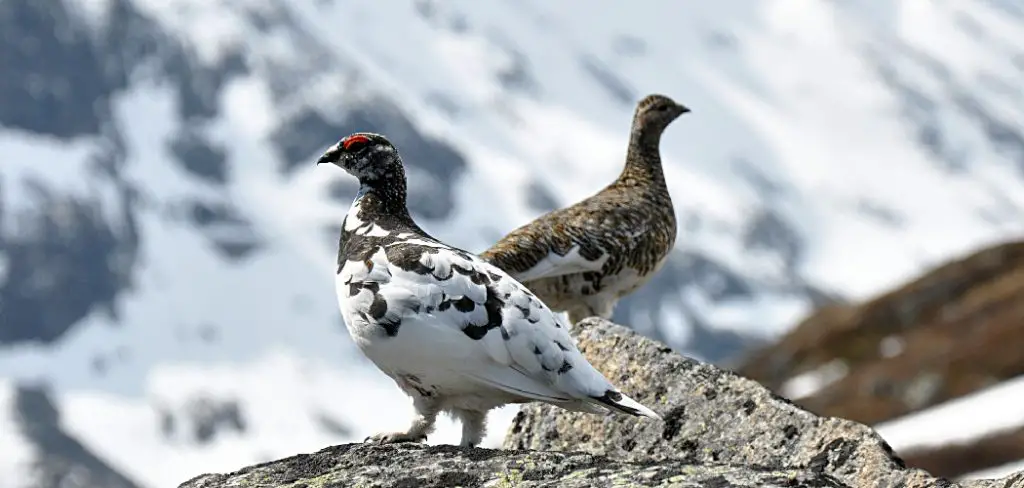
(538, 361)
(555, 265)
(354, 224)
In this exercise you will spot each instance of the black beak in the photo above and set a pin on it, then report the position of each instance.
(684, 108)
(328, 157)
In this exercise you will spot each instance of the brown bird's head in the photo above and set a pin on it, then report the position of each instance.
(655, 112)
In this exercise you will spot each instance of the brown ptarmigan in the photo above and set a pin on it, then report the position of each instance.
(456, 334)
(582, 259)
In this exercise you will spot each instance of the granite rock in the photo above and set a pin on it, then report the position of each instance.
(418, 466)
(719, 430)
(711, 416)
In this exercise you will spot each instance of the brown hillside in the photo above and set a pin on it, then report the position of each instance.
(958, 328)
(955, 460)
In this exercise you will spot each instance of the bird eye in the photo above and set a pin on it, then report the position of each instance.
(355, 143)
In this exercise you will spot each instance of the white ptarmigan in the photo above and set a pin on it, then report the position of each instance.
(457, 334)
(584, 258)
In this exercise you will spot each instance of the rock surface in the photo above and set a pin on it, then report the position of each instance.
(711, 416)
(419, 466)
(719, 430)
(948, 333)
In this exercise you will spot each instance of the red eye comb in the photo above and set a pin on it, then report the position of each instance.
(350, 141)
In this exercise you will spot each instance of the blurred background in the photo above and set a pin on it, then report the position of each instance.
(849, 187)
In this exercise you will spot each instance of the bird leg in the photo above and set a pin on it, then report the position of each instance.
(575, 316)
(595, 307)
(474, 426)
(422, 424)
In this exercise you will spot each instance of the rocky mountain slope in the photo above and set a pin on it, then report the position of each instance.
(448, 466)
(719, 429)
(950, 337)
(166, 243)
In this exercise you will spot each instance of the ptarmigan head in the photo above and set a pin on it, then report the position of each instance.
(655, 112)
(369, 157)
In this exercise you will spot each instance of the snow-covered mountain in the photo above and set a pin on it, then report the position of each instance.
(167, 245)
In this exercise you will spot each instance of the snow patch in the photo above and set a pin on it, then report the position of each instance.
(959, 421)
(213, 28)
(811, 382)
(29, 159)
(96, 12)
(891, 346)
(247, 107)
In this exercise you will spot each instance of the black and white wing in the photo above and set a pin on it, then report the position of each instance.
(481, 322)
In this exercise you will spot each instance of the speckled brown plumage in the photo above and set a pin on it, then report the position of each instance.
(582, 259)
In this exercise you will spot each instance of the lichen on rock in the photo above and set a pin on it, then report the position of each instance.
(711, 416)
(419, 466)
(719, 430)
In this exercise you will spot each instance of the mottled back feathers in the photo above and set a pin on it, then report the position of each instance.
(609, 243)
